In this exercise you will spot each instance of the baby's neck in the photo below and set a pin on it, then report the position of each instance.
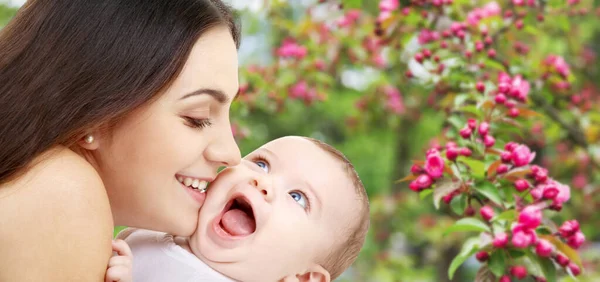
(184, 242)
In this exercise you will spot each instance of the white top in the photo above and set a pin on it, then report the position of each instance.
(156, 258)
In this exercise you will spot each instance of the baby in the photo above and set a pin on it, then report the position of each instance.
(293, 210)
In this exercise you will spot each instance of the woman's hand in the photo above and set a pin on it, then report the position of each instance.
(120, 266)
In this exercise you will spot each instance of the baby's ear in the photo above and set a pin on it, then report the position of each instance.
(316, 273)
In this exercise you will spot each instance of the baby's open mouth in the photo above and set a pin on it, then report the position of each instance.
(238, 219)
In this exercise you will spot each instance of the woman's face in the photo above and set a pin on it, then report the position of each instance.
(185, 133)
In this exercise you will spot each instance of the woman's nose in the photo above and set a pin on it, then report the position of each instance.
(224, 150)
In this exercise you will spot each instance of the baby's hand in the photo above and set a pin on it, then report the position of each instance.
(120, 265)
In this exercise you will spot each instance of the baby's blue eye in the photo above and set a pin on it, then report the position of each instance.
(299, 197)
(264, 165)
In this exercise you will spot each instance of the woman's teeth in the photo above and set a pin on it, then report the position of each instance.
(193, 183)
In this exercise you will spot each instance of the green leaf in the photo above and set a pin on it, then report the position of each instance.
(548, 268)
(490, 191)
(494, 64)
(460, 99)
(352, 4)
(443, 188)
(468, 249)
(456, 122)
(467, 224)
(514, 253)
(545, 266)
(509, 215)
(458, 204)
(425, 193)
(477, 166)
(497, 263)
(472, 109)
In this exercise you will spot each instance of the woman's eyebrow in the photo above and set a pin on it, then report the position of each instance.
(216, 94)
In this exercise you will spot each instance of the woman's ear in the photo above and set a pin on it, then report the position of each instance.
(315, 273)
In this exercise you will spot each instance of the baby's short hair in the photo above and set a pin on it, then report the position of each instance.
(346, 251)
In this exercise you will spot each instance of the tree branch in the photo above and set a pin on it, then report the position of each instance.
(574, 132)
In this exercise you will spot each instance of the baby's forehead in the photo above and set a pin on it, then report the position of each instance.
(327, 174)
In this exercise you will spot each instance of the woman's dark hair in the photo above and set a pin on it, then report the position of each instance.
(67, 66)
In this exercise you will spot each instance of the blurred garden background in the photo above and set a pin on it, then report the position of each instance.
(387, 81)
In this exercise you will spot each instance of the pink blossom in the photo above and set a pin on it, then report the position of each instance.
(482, 256)
(452, 153)
(544, 248)
(434, 165)
(559, 64)
(506, 156)
(388, 5)
(504, 78)
(518, 271)
(574, 268)
(521, 185)
(379, 61)
(465, 132)
(530, 217)
(510, 146)
(394, 100)
(500, 240)
(423, 181)
(434, 150)
(518, 2)
(289, 48)
(477, 14)
(502, 169)
(562, 260)
(520, 240)
(521, 87)
(550, 192)
(427, 36)
(484, 128)
(492, 9)
(415, 169)
(384, 15)
(568, 228)
(299, 90)
(472, 123)
(464, 151)
(522, 156)
(474, 16)
(539, 173)
(580, 181)
(576, 240)
(536, 193)
(562, 193)
(371, 44)
(486, 213)
(489, 141)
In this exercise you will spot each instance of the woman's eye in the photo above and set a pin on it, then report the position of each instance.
(198, 123)
(300, 198)
(263, 164)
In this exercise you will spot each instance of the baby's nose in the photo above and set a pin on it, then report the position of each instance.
(264, 187)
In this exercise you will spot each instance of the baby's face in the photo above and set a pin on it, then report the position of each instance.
(273, 215)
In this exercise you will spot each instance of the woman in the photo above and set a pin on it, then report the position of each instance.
(112, 112)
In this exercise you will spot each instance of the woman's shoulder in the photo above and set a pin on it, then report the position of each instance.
(63, 169)
(59, 207)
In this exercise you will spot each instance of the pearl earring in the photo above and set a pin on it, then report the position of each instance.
(89, 139)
